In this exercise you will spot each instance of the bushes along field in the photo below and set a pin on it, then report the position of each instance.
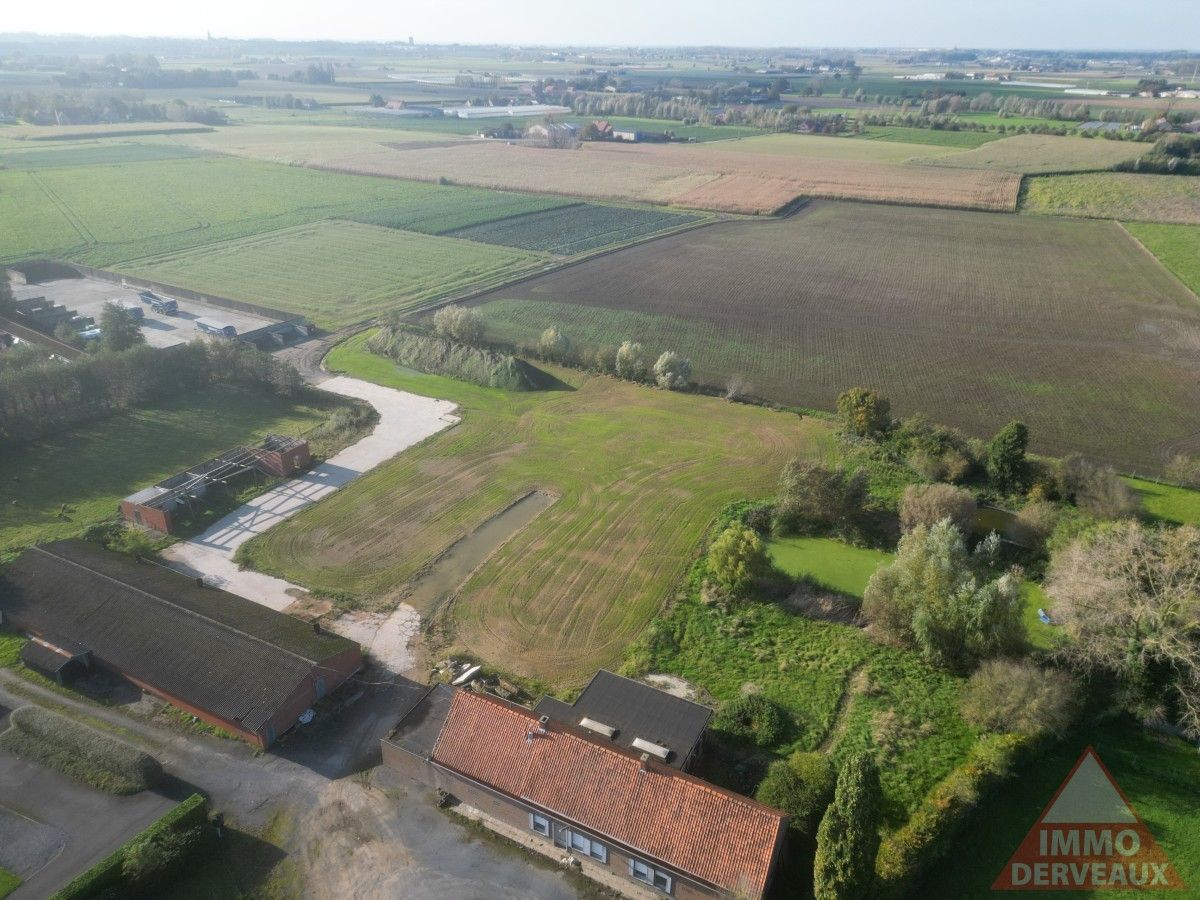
(439, 356)
(1070, 324)
(79, 751)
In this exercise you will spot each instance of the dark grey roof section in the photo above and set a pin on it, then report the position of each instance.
(214, 650)
(636, 710)
(42, 658)
(418, 731)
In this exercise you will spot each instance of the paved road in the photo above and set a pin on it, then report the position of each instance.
(353, 836)
(52, 827)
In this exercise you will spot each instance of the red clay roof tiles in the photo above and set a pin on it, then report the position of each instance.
(698, 829)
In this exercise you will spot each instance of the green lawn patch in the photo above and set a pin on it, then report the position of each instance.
(8, 883)
(53, 488)
(1159, 775)
(966, 140)
(338, 272)
(830, 563)
(1176, 246)
(10, 648)
(1041, 636)
(1166, 502)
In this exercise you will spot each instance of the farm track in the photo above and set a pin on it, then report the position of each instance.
(61, 205)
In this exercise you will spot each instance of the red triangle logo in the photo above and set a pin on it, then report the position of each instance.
(1089, 839)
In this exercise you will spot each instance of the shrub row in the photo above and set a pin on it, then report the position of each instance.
(81, 752)
(187, 819)
(438, 356)
(910, 851)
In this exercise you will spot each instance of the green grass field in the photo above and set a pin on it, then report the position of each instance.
(688, 132)
(10, 648)
(102, 215)
(1115, 195)
(844, 692)
(337, 272)
(964, 140)
(469, 208)
(98, 153)
(843, 294)
(639, 474)
(1030, 154)
(1159, 775)
(575, 229)
(1041, 636)
(830, 563)
(837, 147)
(51, 489)
(1176, 246)
(1168, 503)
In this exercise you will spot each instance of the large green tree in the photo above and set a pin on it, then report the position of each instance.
(863, 413)
(119, 330)
(848, 838)
(736, 559)
(939, 598)
(1007, 467)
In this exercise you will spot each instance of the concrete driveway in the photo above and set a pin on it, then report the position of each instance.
(52, 827)
(404, 419)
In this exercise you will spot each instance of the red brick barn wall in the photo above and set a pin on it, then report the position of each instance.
(334, 670)
(158, 519)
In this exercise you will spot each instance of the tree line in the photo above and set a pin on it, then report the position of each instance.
(40, 396)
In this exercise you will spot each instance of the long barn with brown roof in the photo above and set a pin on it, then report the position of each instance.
(230, 662)
(659, 828)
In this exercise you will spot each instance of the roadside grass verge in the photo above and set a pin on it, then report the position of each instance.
(1159, 774)
(10, 648)
(638, 474)
(8, 883)
(81, 752)
(53, 488)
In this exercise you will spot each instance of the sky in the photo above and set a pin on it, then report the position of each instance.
(1107, 24)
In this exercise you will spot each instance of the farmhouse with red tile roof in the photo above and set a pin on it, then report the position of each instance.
(609, 807)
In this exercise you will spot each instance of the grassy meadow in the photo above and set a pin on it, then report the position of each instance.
(1040, 153)
(1115, 195)
(1168, 503)
(53, 488)
(962, 140)
(1176, 246)
(337, 272)
(1069, 317)
(638, 475)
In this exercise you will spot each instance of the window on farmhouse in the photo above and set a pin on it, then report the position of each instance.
(540, 824)
(647, 874)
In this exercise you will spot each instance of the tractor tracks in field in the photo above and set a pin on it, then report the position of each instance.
(61, 205)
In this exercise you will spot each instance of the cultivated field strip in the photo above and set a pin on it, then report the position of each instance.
(638, 474)
(1033, 153)
(337, 272)
(577, 228)
(972, 319)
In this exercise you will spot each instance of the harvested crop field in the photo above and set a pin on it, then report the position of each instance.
(1034, 153)
(1115, 195)
(337, 272)
(970, 318)
(638, 475)
(576, 228)
(715, 177)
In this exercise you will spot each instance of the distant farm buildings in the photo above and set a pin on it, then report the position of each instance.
(158, 506)
(226, 660)
(599, 780)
